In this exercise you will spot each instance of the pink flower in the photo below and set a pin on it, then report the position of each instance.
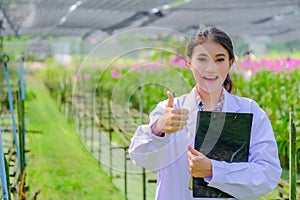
(135, 65)
(255, 66)
(115, 74)
(178, 61)
(173, 61)
(297, 63)
(86, 76)
(292, 63)
(267, 64)
(245, 63)
(77, 77)
(276, 66)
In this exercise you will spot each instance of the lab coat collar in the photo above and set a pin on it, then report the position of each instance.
(230, 102)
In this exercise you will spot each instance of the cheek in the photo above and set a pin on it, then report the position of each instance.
(197, 70)
(224, 69)
(197, 73)
(197, 76)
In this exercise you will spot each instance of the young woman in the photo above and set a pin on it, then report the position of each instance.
(165, 145)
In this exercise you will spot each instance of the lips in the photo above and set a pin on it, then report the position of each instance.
(210, 78)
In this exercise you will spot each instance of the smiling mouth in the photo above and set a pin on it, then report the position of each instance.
(210, 78)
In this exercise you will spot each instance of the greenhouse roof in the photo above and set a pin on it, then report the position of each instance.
(275, 19)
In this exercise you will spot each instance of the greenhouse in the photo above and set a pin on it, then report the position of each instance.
(136, 100)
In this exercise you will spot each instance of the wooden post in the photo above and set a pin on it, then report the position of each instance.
(293, 159)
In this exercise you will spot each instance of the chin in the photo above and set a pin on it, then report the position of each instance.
(210, 89)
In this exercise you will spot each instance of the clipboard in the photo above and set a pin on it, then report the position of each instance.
(222, 136)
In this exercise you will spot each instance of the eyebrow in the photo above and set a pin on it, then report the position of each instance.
(202, 54)
(220, 54)
(217, 55)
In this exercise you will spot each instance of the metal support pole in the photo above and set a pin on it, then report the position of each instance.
(92, 110)
(100, 109)
(125, 173)
(21, 131)
(23, 97)
(110, 137)
(69, 101)
(78, 101)
(144, 183)
(85, 117)
(141, 118)
(293, 159)
(11, 106)
(3, 174)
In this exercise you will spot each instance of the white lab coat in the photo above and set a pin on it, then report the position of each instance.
(168, 154)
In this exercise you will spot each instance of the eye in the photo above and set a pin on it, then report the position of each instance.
(202, 59)
(220, 60)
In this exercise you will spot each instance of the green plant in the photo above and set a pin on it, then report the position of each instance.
(277, 94)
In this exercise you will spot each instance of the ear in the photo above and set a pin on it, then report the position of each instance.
(188, 62)
(231, 62)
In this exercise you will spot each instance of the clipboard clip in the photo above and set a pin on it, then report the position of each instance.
(201, 106)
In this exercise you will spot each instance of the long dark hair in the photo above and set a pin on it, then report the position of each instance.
(205, 33)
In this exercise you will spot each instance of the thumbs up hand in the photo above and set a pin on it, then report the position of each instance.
(173, 119)
(170, 99)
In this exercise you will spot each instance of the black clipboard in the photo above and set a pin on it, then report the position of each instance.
(222, 136)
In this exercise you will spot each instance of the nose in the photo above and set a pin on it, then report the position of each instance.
(211, 67)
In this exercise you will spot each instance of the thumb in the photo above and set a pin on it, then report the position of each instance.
(170, 99)
(193, 151)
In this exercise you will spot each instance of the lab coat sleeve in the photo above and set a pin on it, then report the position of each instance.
(258, 176)
(146, 149)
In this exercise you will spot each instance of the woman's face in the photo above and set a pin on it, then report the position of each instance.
(210, 65)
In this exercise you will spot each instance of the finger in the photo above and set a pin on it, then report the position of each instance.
(179, 128)
(179, 117)
(193, 151)
(190, 156)
(170, 99)
(182, 111)
(182, 124)
(177, 123)
(191, 159)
